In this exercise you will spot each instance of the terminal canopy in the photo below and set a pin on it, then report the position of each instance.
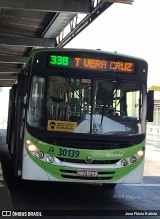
(120, 1)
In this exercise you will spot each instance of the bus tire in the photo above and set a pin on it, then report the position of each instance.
(109, 185)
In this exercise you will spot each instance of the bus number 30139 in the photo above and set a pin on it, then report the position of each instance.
(64, 152)
(68, 153)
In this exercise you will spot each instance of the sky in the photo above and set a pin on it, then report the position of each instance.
(128, 29)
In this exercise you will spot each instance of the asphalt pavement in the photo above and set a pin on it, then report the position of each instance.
(5, 198)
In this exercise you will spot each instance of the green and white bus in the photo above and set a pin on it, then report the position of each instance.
(80, 116)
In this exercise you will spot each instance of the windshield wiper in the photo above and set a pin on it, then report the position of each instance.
(116, 133)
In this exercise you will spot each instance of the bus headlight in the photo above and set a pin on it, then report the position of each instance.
(124, 162)
(133, 159)
(40, 155)
(140, 154)
(31, 147)
(49, 159)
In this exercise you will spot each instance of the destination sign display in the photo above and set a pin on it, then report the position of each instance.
(92, 64)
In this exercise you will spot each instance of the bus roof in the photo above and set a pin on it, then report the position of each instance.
(115, 54)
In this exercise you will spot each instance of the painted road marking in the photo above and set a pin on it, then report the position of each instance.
(143, 184)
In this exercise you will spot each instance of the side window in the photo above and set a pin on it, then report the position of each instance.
(36, 102)
(133, 100)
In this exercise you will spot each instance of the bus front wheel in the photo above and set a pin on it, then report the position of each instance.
(109, 185)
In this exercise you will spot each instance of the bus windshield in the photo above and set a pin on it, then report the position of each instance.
(102, 106)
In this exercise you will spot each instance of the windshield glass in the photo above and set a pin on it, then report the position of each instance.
(90, 106)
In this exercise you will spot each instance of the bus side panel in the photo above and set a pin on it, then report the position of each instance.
(136, 176)
(11, 119)
(31, 171)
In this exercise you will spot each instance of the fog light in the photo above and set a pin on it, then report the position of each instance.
(133, 159)
(40, 155)
(124, 162)
(49, 159)
(140, 154)
(32, 148)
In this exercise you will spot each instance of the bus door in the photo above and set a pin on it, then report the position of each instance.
(11, 118)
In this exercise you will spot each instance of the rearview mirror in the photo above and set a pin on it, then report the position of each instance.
(150, 105)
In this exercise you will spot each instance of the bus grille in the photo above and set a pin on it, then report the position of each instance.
(89, 144)
(68, 174)
(86, 178)
(69, 160)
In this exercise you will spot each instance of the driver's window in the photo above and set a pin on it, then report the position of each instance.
(133, 99)
(36, 102)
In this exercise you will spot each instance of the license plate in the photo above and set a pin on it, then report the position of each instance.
(88, 173)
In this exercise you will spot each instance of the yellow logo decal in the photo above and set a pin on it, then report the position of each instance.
(63, 126)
